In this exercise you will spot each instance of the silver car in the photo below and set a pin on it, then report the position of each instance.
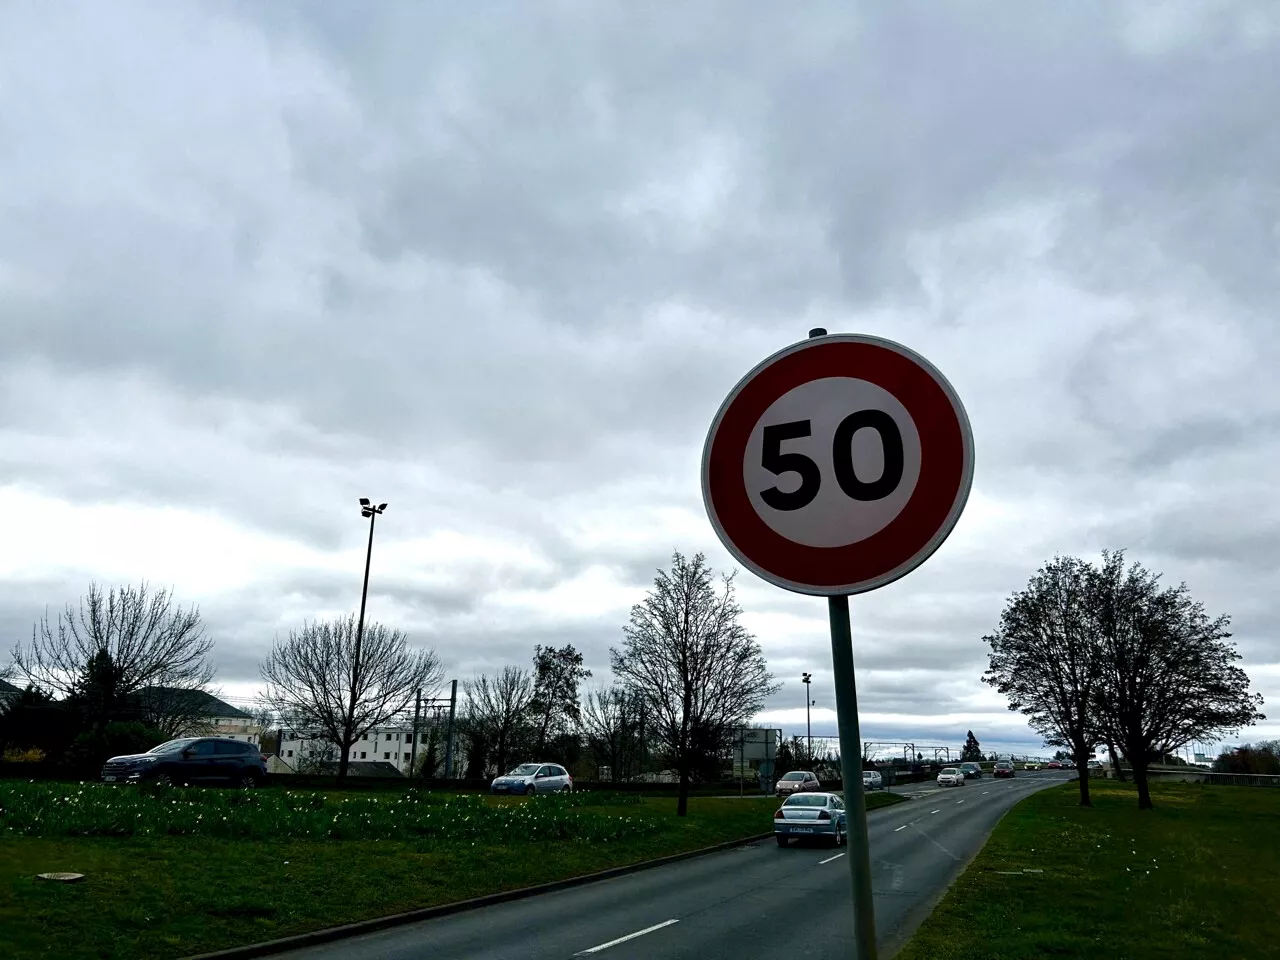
(951, 777)
(811, 815)
(871, 780)
(797, 781)
(534, 778)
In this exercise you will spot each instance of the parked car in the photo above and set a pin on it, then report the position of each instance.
(191, 760)
(1004, 768)
(951, 777)
(971, 771)
(811, 815)
(871, 780)
(1068, 764)
(797, 781)
(1053, 765)
(1095, 765)
(534, 778)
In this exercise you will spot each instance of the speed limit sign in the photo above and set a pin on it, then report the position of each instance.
(838, 465)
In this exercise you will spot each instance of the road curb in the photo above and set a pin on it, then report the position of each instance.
(330, 934)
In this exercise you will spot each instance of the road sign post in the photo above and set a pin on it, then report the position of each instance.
(835, 467)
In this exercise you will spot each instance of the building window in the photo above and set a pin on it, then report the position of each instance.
(386, 756)
(291, 753)
(406, 758)
(361, 754)
(364, 736)
(388, 736)
(408, 738)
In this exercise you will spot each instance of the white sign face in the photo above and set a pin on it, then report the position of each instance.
(832, 462)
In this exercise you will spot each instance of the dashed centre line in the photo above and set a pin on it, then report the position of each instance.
(903, 827)
(934, 811)
(959, 801)
(829, 859)
(629, 936)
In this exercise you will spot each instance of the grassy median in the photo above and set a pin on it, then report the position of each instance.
(182, 871)
(1197, 877)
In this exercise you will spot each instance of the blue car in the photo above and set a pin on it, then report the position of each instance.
(811, 816)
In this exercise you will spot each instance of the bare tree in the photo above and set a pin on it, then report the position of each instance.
(497, 712)
(1169, 676)
(318, 678)
(701, 673)
(611, 725)
(114, 645)
(1046, 659)
(316, 756)
(556, 677)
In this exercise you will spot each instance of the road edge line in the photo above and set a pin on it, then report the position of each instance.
(331, 934)
(898, 941)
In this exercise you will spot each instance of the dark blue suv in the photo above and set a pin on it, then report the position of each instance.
(193, 760)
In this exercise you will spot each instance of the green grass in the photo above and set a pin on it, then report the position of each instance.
(182, 871)
(1197, 877)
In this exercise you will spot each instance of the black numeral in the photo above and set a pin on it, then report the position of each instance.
(842, 455)
(776, 462)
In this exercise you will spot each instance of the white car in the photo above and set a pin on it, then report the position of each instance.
(951, 777)
(1031, 765)
(871, 780)
(534, 778)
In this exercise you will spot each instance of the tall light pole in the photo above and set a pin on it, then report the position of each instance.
(367, 509)
(806, 679)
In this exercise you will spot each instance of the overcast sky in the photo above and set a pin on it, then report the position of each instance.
(499, 268)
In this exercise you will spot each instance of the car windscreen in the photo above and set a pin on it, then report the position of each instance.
(172, 746)
(806, 800)
(524, 770)
(794, 776)
(952, 771)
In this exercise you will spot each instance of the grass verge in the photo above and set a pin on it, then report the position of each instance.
(188, 871)
(1198, 876)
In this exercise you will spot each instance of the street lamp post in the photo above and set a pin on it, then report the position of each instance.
(367, 509)
(806, 679)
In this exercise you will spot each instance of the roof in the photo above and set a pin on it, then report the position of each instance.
(7, 687)
(195, 702)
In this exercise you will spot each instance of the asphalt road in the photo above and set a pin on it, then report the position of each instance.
(760, 900)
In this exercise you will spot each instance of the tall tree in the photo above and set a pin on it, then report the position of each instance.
(318, 678)
(1169, 676)
(1045, 657)
(557, 675)
(972, 750)
(497, 710)
(701, 673)
(611, 725)
(116, 643)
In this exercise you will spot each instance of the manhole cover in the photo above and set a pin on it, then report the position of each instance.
(62, 877)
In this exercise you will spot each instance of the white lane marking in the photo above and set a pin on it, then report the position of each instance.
(938, 845)
(829, 859)
(933, 811)
(959, 801)
(985, 792)
(629, 936)
(903, 827)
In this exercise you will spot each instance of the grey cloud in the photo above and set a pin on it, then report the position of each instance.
(500, 268)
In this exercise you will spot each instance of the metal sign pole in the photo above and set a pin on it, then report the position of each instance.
(859, 857)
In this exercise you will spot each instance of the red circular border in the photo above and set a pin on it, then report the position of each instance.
(942, 467)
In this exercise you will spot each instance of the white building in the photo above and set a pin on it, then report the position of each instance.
(390, 744)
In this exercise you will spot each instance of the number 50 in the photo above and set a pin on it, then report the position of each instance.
(777, 462)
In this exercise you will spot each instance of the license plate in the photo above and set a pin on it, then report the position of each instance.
(109, 779)
(802, 829)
